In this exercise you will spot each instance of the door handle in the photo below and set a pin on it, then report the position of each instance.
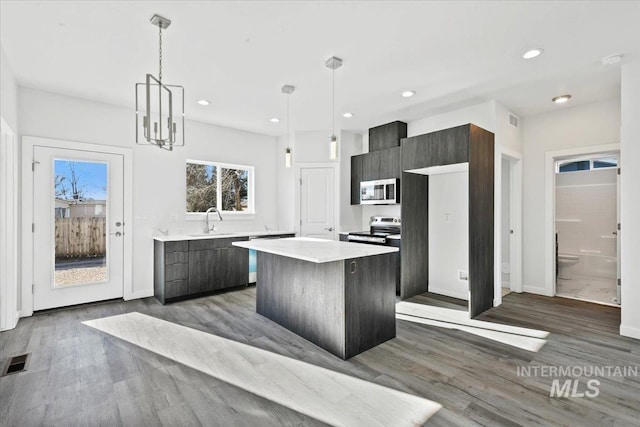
(329, 229)
(117, 234)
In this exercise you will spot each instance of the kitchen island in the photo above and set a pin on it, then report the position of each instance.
(338, 295)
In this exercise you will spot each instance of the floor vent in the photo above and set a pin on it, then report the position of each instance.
(16, 364)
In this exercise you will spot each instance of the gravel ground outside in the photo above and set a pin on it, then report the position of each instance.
(80, 274)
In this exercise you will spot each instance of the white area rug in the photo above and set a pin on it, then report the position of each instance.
(325, 395)
(527, 339)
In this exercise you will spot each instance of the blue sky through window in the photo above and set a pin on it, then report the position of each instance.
(90, 176)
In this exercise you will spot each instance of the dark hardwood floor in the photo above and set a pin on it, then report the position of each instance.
(80, 376)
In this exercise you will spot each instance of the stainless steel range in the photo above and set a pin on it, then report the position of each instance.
(383, 230)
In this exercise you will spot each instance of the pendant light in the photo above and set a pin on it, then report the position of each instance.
(333, 63)
(156, 119)
(288, 90)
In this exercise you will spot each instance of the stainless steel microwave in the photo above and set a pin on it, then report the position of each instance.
(380, 192)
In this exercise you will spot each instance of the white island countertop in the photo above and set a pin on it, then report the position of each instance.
(220, 235)
(315, 250)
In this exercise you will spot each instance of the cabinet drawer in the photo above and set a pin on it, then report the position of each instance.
(176, 272)
(176, 257)
(181, 246)
(176, 288)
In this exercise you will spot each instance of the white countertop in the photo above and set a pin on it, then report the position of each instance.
(221, 235)
(315, 250)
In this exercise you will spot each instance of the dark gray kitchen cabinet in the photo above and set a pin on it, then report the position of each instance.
(462, 144)
(381, 164)
(445, 147)
(356, 177)
(171, 270)
(371, 166)
(196, 267)
(390, 166)
(387, 136)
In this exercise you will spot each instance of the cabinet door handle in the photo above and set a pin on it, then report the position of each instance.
(329, 229)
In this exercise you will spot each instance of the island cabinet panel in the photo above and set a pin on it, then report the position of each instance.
(305, 297)
(370, 288)
(387, 135)
(345, 306)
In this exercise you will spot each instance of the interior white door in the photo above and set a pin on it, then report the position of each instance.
(316, 202)
(78, 244)
(618, 251)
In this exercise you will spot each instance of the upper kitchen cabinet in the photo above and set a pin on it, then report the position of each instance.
(387, 136)
(381, 164)
(445, 147)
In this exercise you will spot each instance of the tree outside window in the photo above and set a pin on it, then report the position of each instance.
(218, 185)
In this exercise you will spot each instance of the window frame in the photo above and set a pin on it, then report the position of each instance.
(590, 159)
(248, 214)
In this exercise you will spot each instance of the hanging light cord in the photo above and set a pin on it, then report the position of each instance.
(288, 125)
(333, 102)
(160, 55)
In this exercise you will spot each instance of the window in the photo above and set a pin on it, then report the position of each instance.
(574, 165)
(228, 188)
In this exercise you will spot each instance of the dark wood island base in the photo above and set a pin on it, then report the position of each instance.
(345, 306)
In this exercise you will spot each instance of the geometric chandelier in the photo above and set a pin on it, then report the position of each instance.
(156, 121)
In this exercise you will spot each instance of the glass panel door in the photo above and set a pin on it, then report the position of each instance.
(80, 222)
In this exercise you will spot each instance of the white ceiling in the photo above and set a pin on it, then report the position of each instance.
(239, 54)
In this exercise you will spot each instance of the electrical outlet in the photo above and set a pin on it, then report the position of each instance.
(447, 218)
(463, 275)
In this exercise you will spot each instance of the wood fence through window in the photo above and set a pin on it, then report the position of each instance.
(80, 237)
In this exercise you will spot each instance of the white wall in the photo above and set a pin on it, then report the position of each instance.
(8, 93)
(630, 199)
(313, 147)
(449, 233)
(159, 180)
(572, 127)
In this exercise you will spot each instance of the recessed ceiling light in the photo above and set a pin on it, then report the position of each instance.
(561, 99)
(274, 120)
(347, 115)
(611, 59)
(532, 53)
(408, 93)
(204, 102)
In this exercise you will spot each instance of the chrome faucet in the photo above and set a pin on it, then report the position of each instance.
(207, 229)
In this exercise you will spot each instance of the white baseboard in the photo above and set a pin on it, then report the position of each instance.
(534, 290)
(449, 293)
(139, 294)
(629, 331)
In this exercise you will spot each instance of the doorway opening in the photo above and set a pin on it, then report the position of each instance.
(586, 228)
(509, 244)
